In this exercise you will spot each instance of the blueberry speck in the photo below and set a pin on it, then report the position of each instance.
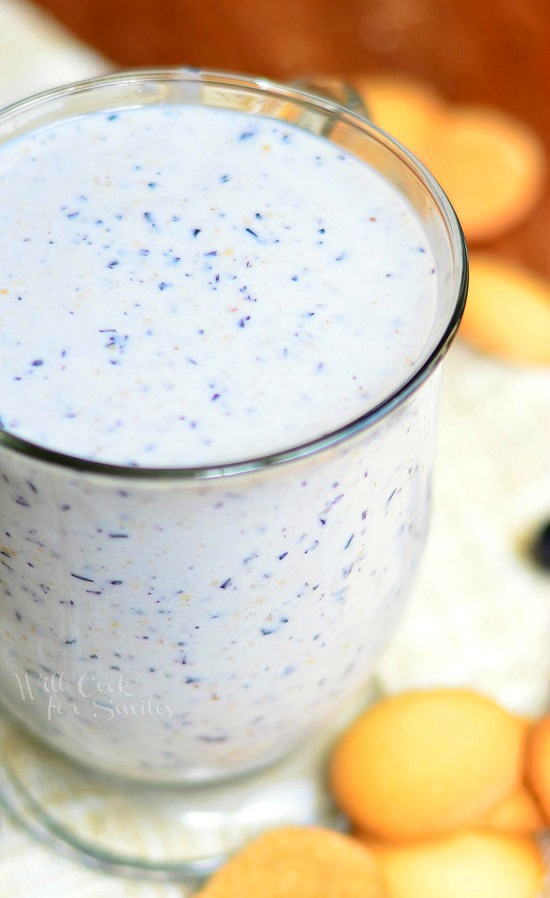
(226, 583)
(164, 285)
(196, 232)
(246, 135)
(112, 117)
(283, 555)
(37, 363)
(251, 232)
(242, 321)
(148, 216)
(540, 550)
(152, 185)
(113, 264)
(224, 179)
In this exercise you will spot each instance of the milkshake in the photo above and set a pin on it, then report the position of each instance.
(215, 462)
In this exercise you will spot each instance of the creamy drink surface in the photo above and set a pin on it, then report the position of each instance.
(184, 286)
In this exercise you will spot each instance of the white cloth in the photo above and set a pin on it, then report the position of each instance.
(481, 611)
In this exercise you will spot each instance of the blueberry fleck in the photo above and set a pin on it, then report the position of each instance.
(541, 547)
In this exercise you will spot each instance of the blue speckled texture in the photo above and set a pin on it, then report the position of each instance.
(202, 287)
(252, 607)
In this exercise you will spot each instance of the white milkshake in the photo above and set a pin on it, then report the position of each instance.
(191, 287)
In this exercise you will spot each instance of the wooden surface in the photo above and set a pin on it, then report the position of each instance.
(493, 51)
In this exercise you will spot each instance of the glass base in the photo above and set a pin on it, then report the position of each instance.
(164, 832)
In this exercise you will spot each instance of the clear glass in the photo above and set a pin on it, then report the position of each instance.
(77, 673)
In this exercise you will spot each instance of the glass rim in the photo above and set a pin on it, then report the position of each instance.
(261, 85)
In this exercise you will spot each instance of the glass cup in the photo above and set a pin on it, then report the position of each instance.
(282, 577)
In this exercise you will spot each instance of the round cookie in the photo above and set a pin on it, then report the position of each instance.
(508, 310)
(409, 110)
(299, 862)
(538, 763)
(423, 763)
(518, 813)
(464, 865)
(491, 166)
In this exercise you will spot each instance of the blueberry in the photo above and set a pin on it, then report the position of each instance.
(541, 546)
